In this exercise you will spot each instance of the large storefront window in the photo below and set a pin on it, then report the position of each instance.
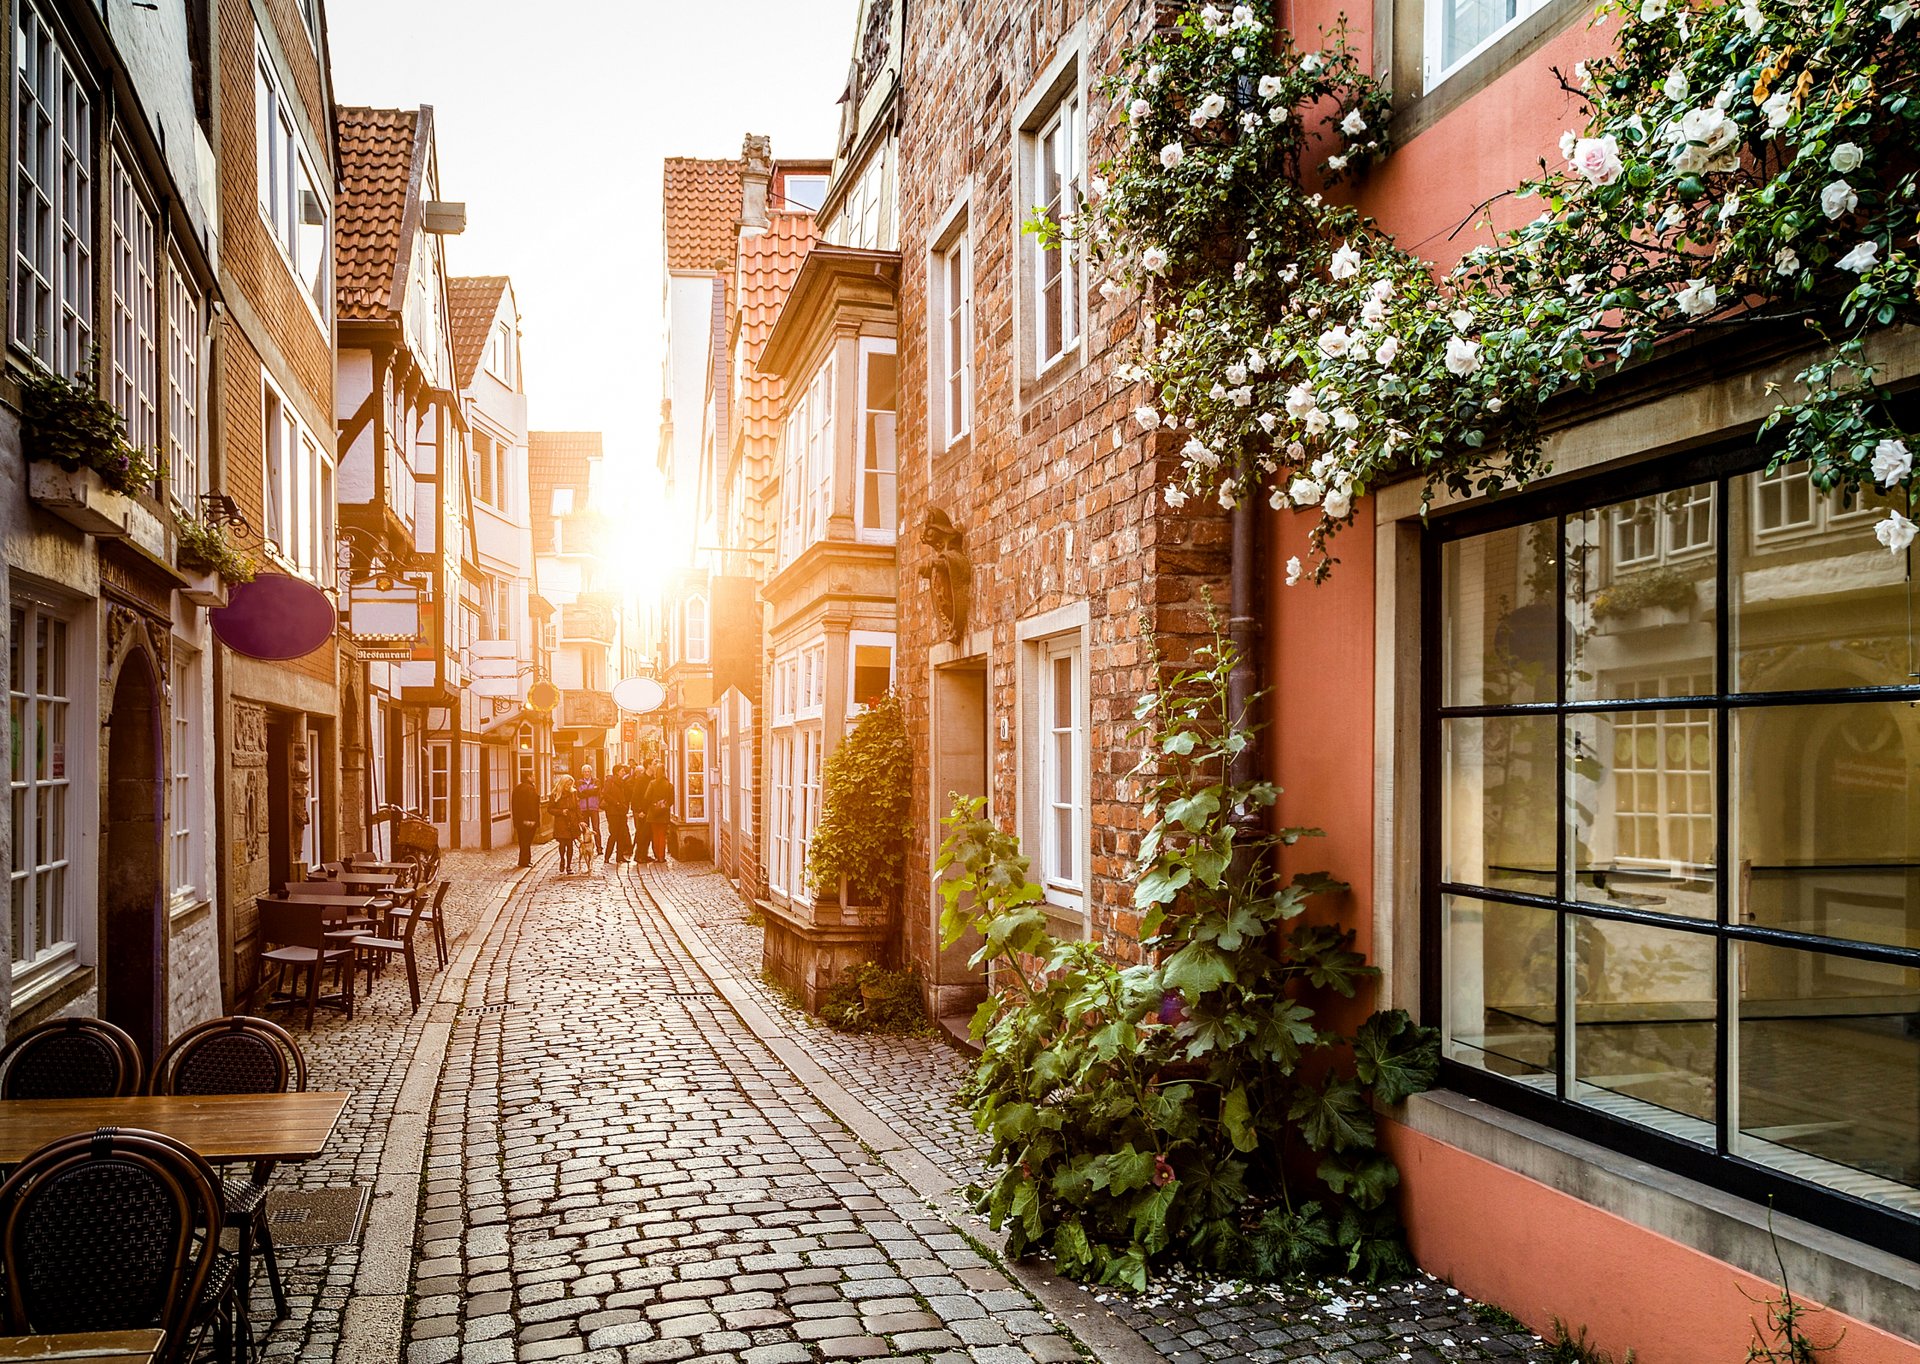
(1674, 871)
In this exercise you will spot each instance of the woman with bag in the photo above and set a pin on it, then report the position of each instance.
(565, 808)
(658, 814)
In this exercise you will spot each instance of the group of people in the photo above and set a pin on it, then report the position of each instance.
(576, 805)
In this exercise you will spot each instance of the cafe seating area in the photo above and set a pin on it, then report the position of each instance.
(317, 935)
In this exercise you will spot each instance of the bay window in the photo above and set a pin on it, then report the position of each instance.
(806, 483)
(876, 517)
(1673, 870)
(798, 743)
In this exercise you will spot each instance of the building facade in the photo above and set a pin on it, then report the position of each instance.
(589, 626)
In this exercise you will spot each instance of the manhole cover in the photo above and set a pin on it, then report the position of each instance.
(317, 1217)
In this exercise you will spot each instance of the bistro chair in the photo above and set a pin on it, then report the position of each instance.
(293, 938)
(118, 1230)
(239, 1055)
(375, 951)
(436, 919)
(71, 1058)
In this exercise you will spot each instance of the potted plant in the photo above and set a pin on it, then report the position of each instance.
(81, 466)
(211, 561)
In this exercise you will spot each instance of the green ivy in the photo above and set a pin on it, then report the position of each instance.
(70, 423)
(1196, 1104)
(206, 544)
(867, 787)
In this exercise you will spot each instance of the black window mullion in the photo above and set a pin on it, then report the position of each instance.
(1723, 818)
(1562, 970)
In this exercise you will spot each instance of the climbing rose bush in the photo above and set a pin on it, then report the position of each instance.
(1738, 163)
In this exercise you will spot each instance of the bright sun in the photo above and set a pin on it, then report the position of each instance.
(645, 540)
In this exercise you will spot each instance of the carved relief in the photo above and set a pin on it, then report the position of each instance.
(875, 41)
(255, 833)
(949, 575)
(300, 777)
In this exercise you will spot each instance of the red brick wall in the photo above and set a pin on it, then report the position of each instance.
(1058, 502)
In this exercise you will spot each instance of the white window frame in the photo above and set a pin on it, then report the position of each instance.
(693, 803)
(806, 483)
(500, 352)
(695, 633)
(185, 334)
(780, 812)
(296, 489)
(284, 173)
(185, 763)
(54, 125)
(1060, 633)
(1063, 786)
(439, 781)
(1433, 41)
(950, 333)
(33, 786)
(881, 463)
(134, 259)
(1055, 108)
(469, 783)
(856, 640)
(312, 838)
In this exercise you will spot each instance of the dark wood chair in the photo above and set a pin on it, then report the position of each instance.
(293, 938)
(71, 1058)
(239, 1055)
(118, 1230)
(435, 918)
(374, 951)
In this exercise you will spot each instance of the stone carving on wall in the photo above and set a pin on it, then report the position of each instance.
(949, 575)
(249, 758)
(300, 777)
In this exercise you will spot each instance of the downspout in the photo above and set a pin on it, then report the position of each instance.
(1243, 682)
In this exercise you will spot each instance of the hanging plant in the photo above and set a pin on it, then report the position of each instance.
(70, 423)
(206, 545)
(1739, 161)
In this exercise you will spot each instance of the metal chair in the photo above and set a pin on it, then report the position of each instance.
(71, 1058)
(435, 918)
(373, 952)
(239, 1055)
(117, 1230)
(293, 938)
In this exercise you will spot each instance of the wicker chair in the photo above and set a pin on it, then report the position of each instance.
(239, 1055)
(117, 1230)
(71, 1058)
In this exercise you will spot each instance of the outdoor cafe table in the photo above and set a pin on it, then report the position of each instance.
(330, 906)
(366, 880)
(368, 864)
(86, 1347)
(221, 1127)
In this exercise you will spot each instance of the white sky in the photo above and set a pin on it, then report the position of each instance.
(553, 134)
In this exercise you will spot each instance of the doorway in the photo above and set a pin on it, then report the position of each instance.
(959, 769)
(133, 966)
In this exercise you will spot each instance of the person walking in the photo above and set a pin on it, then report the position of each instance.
(565, 807)
(525, 808)
(617, 796)
(659, 814)
(589, 792)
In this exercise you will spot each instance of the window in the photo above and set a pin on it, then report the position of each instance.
(1063, 756)
(499, 781)
(696, 633)
(693, 773)
(38, 695)
(803, 193)
(1458, 30)
(799, 697)
(183, 388)
(950, 340)
(296, 490)
(469, 784)
(872, 668)
(134, 365)
(53, 200)
(500, 352)
(877, 516)
(1052, 183)
(291, 204)
(1675, 868)
(185, 762)
(310, 20)
(439, 779)
(313, 850)
(276, 485)
(865, 216)
(806, 484)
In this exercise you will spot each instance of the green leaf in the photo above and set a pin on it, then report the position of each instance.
(1195, 970)
(1334, 1116)
(1234, 1116)
(1395, 1057)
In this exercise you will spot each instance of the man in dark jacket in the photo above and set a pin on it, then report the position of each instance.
(526, 818)
(657, 810)
(616, 794)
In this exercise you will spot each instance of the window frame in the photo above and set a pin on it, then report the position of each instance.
(871, 639)
(694, 740)
(185, 392)
(297, 490)
(66, 625)
(186, 833)
(887, 481)
(950, 260)
(61, 336)
(1719, 1164)
(690, 637)
(135, 304)
(1061, 87)
(277, 132)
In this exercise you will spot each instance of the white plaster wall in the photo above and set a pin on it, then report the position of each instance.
(352, 381)
(153, 43)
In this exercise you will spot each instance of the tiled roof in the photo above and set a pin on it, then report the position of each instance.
(768, 264)
(702, 213)
(377, 157)
(473, 301)
(558, 459)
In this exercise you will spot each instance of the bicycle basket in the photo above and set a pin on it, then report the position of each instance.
(416, 833)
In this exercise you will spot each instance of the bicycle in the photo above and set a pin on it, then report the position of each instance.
(415, 840)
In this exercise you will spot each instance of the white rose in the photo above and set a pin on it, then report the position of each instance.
(1299, 401)
(1676, 88)
(1373, 312)
(1269, 86)
(1236, 374)
(1337, 503)
(1239, 53)
(1336, 163)
(1861, 259)
(1891, 463)
(1304, 492)
(1838, 199)
(1896, 532)
(1172, 155)
(1353, 124)
(1242, 397)
(1316, 422)
(1730, 207)
(1153, 74)
(1847, 157)
(1218, 392)
(1243, 16)
(1751, 16)
(1786, 261)
(1213, 105)
(1698, 298)
(1382, 288)
(1293, 570)
(1463, 356)
(1277, 114)
(1346, 262)
(1778, 109)
(1385, 354)
(1335, 342)
(1147, 418)
(1176, 497)
(1461, 319)
(1653, 11)
(1346, 419)
(1153, 260)
(1268, 421)
(1597, 159)
(1138, 111)
(1494, 405)
(1256, 362)
(1311, 63)
(1568, 140)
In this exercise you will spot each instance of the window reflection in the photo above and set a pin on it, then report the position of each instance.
(1501, 993)
(1500, 784)
(1641, 591)
(1644, 1032)
(1500, 619)
(1640, 809)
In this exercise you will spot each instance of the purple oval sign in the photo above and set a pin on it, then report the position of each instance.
(274, 617)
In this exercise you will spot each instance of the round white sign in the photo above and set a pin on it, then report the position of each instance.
(639, 695)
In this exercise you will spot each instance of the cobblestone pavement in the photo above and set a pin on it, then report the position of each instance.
(619, 1170)
(913, 1083)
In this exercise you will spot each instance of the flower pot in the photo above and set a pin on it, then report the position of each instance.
(79, 497)
(203, 587)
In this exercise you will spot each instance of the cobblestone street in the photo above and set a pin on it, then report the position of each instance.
(620, 1163)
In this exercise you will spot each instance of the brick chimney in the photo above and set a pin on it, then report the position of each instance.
(756, 175)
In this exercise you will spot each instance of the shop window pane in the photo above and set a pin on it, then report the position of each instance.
(1500, 990)
(1828, 1058)
(1498, 616)
(1499, 793)
(1640, 810)
(1641, 595)
(1817, 602)
(1827, 827)
(1644, 1032)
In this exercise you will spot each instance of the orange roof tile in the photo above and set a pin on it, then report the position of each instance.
(768, 263)
(558, 459)
(702, 213)
(473, 302)
(378, 158)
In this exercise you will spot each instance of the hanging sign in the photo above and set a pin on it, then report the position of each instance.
(274, 617)
(639, 695)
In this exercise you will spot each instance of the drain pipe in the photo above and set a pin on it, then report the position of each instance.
(1243, 683)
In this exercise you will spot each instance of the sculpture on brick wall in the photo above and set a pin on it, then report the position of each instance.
(949, 575)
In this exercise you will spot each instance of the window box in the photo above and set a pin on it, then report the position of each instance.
(80, 497)
(203, 586)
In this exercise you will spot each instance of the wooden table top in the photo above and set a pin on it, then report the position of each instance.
(105, 1347)
(289, 1127)
(362, 864)
(325, 901)
(379, 880)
